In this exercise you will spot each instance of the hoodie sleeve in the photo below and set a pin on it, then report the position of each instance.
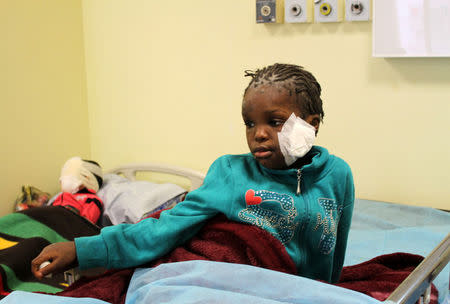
(343, 227)
(130, 245)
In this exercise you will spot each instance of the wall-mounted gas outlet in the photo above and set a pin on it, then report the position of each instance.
(357, 10)
(296, 11)
(327, 11)
(269, 11)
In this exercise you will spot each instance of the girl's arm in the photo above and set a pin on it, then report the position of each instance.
(343, 228)
(129, 245)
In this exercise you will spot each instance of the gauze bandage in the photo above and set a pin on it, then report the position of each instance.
(296, 138)
(70, 184)
(77, 173)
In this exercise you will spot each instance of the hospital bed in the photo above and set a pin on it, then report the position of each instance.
(378, 229)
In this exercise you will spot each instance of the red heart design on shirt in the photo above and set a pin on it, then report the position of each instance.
(251, 199)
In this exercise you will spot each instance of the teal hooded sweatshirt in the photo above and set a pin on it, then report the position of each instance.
(313, 225)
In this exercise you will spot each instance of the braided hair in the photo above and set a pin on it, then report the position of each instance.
(295, 80)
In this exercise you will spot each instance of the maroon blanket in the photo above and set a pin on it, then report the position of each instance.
(380, 276)
(219, 240)
(226, 241)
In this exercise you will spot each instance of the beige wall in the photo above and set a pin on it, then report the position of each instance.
(165, 82)
(43, 108)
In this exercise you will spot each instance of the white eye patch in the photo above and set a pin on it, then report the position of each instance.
(296, 138)
(70, 184)
(77, 173)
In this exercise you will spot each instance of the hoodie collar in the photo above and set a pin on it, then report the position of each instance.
(317, 167)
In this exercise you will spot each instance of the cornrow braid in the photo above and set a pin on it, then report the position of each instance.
(296, 80)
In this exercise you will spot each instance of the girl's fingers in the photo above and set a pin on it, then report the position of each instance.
(36, 266)
(59, 256)
(47, 268)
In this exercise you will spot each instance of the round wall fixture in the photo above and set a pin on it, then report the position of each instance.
(325, 9)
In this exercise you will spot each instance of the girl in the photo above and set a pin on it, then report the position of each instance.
(298, 192)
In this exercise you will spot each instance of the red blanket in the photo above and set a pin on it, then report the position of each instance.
(219, 240)
(380, 276)
(226, 241)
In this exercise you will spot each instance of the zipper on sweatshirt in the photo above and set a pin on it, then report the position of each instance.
(299, 177)
(305, 219)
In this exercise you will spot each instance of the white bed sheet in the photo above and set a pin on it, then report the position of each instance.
(216, 282)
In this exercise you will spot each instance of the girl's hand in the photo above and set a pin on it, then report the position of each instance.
(62, 256)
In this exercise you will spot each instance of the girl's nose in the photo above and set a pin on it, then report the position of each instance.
(261, 134)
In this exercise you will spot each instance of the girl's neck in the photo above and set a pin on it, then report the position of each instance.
(299, 163)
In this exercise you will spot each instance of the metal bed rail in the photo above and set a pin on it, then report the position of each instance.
(417, 285)
(129, 171)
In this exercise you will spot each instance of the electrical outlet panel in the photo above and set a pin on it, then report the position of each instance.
(296, 11)
(269, 11)
(327, 11)
(357, 10)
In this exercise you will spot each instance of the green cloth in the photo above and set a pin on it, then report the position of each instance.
(22, 226)
(24, 234)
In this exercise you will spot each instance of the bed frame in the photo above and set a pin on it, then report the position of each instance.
(416, 286)
(130, 171)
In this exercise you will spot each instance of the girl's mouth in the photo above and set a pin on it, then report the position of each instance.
(262, 153)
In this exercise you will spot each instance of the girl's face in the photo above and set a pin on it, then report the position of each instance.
(264, 111)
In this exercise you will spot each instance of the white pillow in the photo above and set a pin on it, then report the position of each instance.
(128, 201)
